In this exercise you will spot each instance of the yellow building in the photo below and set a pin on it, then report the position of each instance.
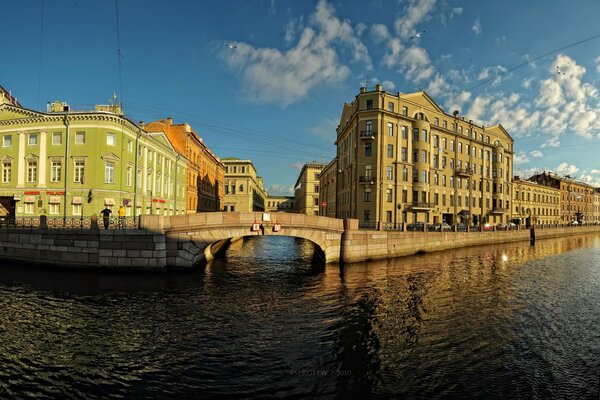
(244, 190)
(576, 198)
(402, 158)
(280, 204)
(535, 203)
(596, 201)
(306, 191)
(328, 190)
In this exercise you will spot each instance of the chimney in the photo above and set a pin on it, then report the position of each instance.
(379, 88)
(363, 89)
(170, 121)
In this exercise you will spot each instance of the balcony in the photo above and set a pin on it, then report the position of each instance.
(419, 205)
(464, 172)
(366, 179)
(367, 134)
(498, 210)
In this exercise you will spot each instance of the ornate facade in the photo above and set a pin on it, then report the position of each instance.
(402, 158)
(306, 190)
(244, 190)
(66, 163)
(535, 203)
(205, 173)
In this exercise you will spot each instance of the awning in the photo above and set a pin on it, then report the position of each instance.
(77, 200)
(29, 199)
(54, 200)
(109, 201)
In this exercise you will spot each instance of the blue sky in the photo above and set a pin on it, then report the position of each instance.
(275, 95)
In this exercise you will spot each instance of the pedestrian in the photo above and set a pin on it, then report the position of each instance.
(121, 217)
(106, 216)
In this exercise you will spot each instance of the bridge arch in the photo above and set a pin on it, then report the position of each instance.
(194, 238)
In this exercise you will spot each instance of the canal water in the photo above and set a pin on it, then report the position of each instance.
(269, 320)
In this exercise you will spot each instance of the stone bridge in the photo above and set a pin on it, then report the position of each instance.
(193, 238)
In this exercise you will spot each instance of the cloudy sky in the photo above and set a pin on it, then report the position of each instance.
(266, 80)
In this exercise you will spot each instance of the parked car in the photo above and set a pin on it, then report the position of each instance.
(439, 227)
(501, 227)
(416, 226)
(512, 225)
(461, 227)
(574, 223)
(488, 227)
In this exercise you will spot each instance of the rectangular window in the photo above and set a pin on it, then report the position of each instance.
(436, 121)
(436, 140)
(389, 173)
(77, 209)
(424, 176)
(368, 149)
(55, 171)
(7, 141)
(390, 129)
(404, 196)
(130, 146)
(404, 154)
(367, 215)
(139, 178)
(424, 156)
(388, 195)
(444, 143)
(129, 175)
(54, 209)
(390, 106)
(79, 137)
(405, 174)
(109, 172)
(32, 139)
(29, 208)
(405, 111)
(390, 151)
(78, 171)
(31, 171)
(56, 138)
(443, 180)
(415, 156)
(443, 161)
(6, 172)
(367, 195)
(405, 133)
(415, 134)
(444, 124)
(424, 136)
(369, 104)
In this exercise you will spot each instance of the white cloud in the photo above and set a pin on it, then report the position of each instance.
(457, 11)
(360, 28)
(520, 158)
(388, 85)
(566, 169)
(476, 28)
(590, 180)
(458, 101)
(416, 12)
(326, 129)
(380, 33)
(416, 64)
(478, 107)
(293, 27)
(595, 171)
(437, 86)
(597, 60)
(272, 76)
(277, 189)
(536, 154)
(526, 83)
(297, 166)
(552, 142)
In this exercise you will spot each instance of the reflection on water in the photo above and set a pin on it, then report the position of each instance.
(269, 320)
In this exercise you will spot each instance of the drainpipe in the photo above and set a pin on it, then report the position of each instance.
(135, 180)
(66, 122)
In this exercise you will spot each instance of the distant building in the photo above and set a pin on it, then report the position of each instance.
(576, 198)
(328, 190)
(306, 190)
(205, 173)
(66, 163)
(244, 190)
(280, 204)
(535, 203)
(7, 98)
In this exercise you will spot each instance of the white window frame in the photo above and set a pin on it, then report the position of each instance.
(80, 137)
(30, 137)
(6, 171)
(32, 171)
(54, 208)
(57, 135)
(54, 171)
(109, 172)
(111, 139)
(5, 139)
(78, 171)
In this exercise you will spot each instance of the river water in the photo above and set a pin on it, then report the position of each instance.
(269, 320)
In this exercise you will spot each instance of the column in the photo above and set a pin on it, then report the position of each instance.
(21, 160)
(43, 160)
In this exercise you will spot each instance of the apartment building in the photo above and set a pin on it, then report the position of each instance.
(280, 204)
(205, 173)
(576, 198)
(402, 158)
(244, 190)
(67, 163)
(327, 187)
(306, 190)
(535, 203)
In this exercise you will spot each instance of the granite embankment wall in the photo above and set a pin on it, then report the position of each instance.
(111, 249)
(363, 245)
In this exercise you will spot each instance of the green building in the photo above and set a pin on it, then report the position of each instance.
(65, 164)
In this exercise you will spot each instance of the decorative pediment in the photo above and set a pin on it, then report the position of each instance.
(31, 156)
(110, 157)
(6, 159)
(423, 99)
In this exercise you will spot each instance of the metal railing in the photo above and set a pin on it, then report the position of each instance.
(366, 179)
(367, 134)
(69, 223)
(419, 204)
(464, 171)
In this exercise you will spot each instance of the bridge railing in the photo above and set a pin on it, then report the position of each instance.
(68, 223)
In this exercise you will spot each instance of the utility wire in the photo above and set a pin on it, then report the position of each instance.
(40, 59)
(119, 49)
